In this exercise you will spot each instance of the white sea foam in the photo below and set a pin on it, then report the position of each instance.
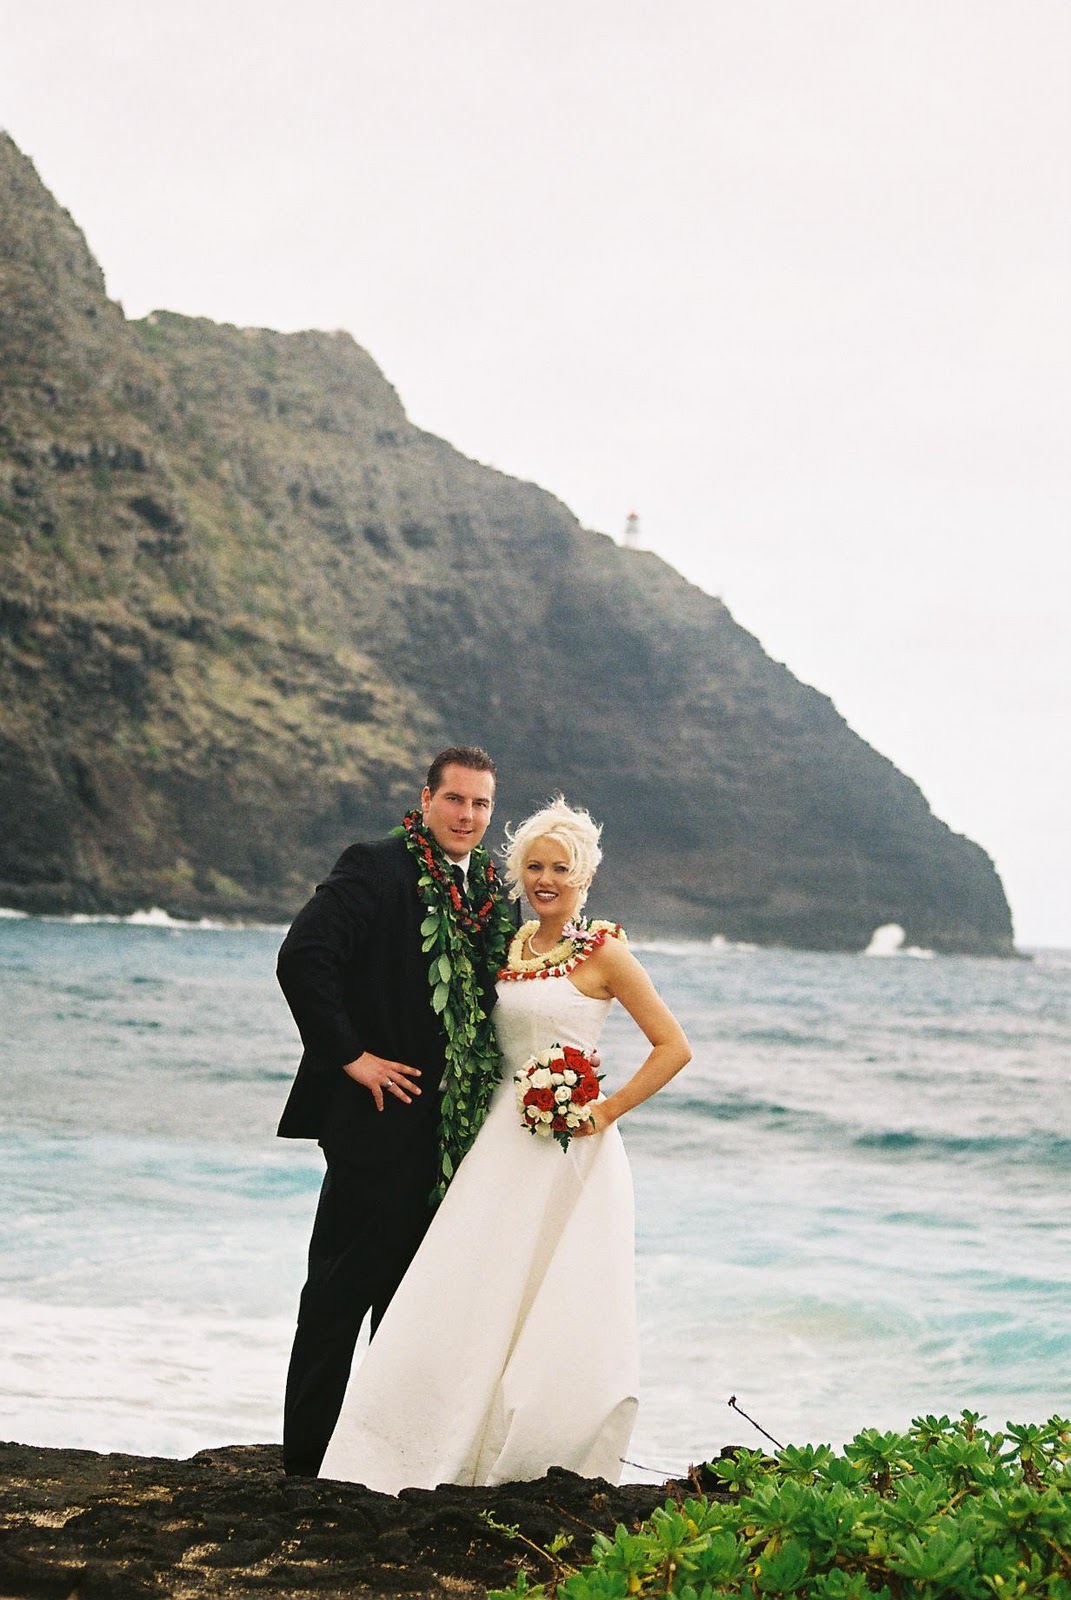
(12, 915)
(719, 944)
(153, 917)
(888, 940)
(130, 1378)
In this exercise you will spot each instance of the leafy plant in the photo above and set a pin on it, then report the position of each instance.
(946, 1510)
(454, 938)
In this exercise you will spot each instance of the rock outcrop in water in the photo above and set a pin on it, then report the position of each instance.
(244, 600)
(228, 1523)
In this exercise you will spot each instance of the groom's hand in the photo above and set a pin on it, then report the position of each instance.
(377, 1074)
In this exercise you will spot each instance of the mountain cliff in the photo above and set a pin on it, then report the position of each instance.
(243, 600)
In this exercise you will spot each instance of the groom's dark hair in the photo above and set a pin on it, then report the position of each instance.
(460, 755)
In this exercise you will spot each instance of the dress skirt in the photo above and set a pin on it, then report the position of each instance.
(510, 1346)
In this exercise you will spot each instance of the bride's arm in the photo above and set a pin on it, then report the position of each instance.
(625, 979)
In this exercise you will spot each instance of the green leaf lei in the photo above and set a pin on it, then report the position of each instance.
(454, 935)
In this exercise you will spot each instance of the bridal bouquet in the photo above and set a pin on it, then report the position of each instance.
(556, 1091)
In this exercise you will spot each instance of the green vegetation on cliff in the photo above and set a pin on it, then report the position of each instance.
(243, 600)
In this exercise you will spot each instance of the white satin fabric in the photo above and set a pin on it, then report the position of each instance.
(510, 1346)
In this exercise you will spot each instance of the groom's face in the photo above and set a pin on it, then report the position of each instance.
(459, 810)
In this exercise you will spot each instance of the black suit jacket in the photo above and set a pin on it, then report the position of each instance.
(356, 979)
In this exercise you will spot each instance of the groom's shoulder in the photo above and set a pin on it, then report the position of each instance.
(376, 858)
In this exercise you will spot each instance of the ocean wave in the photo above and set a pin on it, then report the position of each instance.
(230, 1168)
(736, 1109)
(156, 1379)
(1039, 1148)
(689, 1122)
(1048, 956)
(671, 1118)
(718, 945)
(152, 917)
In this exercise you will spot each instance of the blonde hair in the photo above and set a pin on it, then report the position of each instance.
(568, 826)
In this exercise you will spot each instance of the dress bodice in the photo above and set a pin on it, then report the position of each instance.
(541, 1012)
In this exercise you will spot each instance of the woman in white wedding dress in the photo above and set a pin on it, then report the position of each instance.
(510, 1346)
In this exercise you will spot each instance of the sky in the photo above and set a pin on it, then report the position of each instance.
(787, 278)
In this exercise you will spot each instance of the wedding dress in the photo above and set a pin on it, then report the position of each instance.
(510, 1346)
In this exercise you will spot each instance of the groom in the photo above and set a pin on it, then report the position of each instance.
(356, 979)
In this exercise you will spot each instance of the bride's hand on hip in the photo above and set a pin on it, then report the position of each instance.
(375, 1074)
(598, 1122)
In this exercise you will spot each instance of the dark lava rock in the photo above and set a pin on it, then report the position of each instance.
(228, 1522)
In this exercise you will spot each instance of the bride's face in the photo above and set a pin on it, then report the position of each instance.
(544, 879)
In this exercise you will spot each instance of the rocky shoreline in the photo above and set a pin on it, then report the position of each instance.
(227, 1522)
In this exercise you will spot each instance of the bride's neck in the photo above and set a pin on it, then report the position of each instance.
(547, 934)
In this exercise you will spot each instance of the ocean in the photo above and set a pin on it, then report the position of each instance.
(853, 1207)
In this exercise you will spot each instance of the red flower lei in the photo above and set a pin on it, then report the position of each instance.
(469, 919)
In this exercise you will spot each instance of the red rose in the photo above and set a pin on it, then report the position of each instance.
(543, 1099)
(559, 1125)
(576, 1059)
(587, 1089)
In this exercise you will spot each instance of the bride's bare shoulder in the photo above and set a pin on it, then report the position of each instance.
(609, 952)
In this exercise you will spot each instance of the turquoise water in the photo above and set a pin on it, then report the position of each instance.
(854, 1206)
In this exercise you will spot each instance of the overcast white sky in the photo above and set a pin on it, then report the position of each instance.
(788, 277)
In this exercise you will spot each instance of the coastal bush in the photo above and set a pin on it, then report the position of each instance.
(944, 1510)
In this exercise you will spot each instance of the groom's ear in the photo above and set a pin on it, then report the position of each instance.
(425, 798)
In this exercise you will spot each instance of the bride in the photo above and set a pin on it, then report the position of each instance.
(510, 1346)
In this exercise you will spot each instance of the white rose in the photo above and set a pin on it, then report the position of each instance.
(541, 1078)
(573, 1120)
(570, 1076)
(546, 1116)
(563, 1095)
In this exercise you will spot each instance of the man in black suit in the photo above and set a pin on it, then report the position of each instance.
(356, 979)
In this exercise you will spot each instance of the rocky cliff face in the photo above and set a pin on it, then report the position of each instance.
(244, 601)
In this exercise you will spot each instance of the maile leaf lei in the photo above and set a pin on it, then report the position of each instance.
(453, 936)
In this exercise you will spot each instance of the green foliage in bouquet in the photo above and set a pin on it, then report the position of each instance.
(945, 1510)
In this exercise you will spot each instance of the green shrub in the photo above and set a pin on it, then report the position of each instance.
(945, 1510)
